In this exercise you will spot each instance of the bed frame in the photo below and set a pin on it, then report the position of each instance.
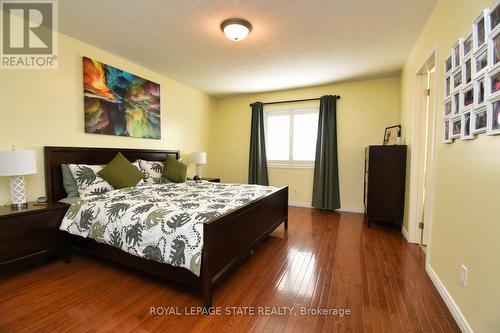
(228, 240)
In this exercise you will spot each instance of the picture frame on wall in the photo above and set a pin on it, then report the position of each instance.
(457, 53)
(456, 128)
(480, 92)
(494, 51)
(467, 70)
(493, 83)
(457, 79)
(455, 104)
(481, 30)
(493, 117)
(447, 108)
(447, 86)
(392, 135)
(494, 18)
(467, 98)
(446, 132)
(448, 65)
(468, 45)
(480, 62)
(479, 120)
(466, 130)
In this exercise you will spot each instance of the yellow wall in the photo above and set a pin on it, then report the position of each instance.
(364, 110)
(465, 215)
(45, 107)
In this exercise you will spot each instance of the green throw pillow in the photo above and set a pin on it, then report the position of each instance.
(174, 170)
(121, 173)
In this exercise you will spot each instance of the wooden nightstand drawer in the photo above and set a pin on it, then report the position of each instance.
(17, 226)
(30, 234)
(31, 243)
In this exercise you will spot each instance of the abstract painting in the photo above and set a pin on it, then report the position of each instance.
(119, 103)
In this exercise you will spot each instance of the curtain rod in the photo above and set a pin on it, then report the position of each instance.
(293, 101)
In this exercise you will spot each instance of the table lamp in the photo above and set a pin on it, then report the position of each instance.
(198, 158)
(16, 164)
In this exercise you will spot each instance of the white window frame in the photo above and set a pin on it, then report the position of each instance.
(290, 163)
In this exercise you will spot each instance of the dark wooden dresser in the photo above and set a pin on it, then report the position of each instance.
(31, 233)
(385, 176)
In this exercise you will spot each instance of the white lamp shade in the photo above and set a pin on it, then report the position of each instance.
(199, 158)
(17, 162)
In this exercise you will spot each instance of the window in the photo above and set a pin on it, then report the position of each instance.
(291, 137)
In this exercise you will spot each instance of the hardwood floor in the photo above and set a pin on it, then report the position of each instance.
(326, 260)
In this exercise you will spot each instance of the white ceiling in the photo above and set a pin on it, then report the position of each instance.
(294, 43)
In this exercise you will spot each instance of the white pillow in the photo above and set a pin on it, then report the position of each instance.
(88, 181)
(152, 170)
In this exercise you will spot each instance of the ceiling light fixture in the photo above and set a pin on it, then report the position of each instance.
(236, 28)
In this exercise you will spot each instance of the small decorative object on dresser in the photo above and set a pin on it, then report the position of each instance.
(392, 135)
(384, 191)
(17, 163)
(30, 233)
(198, 158)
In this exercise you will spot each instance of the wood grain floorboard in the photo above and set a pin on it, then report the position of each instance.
(325, 261)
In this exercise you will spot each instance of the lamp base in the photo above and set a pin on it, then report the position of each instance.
(17, 193)
(19, 206)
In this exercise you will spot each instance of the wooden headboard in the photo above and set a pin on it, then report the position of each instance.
(55, 156)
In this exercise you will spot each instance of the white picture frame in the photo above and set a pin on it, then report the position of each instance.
(467, 71)
(456, 127)
(481, 93)
(447, 86)
(457, 52)
(493, 83)
(479, 120)
(480, 37)
(446, 131)
(466, 128)
(447, 108)
(468, 45)
(494, 19)
(448, 66)
(493, 117)
(455, 104)
(456, 80)
(480, 62)
(494, 50)
(467, 98)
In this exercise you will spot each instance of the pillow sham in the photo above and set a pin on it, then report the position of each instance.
(69, 182)
(174, 170)
(88, 182)
(153, 171)
(121, 173)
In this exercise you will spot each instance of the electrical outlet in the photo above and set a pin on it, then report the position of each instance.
(463, 275)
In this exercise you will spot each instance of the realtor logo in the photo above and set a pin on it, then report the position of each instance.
(29, 34)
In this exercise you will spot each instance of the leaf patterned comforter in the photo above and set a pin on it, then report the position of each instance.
(161, 222)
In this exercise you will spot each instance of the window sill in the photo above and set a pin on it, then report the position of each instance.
(289, 166)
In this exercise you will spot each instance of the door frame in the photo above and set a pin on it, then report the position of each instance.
(416, 172)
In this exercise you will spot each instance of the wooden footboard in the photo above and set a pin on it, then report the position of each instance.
(232, 237)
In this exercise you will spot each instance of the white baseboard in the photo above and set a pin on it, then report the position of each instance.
(299, 204)
(351, 210)
(450, 303)
(405, 233)
(344, 210)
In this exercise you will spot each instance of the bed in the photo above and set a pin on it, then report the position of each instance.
(249, 224)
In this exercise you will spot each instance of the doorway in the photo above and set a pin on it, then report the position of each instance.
(422, 153)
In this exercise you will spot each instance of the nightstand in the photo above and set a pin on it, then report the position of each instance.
(208, 179)
(30, 234)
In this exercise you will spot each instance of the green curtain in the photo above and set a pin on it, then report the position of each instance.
(257, 170)
(326, 193)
